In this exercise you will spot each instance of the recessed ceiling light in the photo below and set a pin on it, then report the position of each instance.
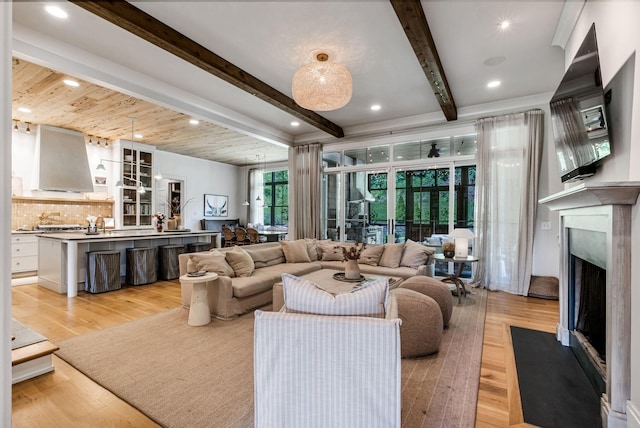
(70, 82)
(294, 123)
(138, 135)
(194, 121)
(504, 24)
(493, 84)
(399, 157)
(24, 110)
(56, 11)
(375, 107)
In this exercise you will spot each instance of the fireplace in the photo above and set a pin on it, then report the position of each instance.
(586, 303)
(595, 271)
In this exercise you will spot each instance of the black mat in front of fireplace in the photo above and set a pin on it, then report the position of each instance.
(554, 390)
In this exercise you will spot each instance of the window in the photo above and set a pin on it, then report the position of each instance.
(276, 198)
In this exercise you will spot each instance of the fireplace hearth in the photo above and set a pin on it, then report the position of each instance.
(595, 244)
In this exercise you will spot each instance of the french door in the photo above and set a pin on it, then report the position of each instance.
(397, 204)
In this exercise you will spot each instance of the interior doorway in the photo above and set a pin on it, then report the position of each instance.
(171, 198)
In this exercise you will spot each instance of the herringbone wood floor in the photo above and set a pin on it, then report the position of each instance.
(67, 398)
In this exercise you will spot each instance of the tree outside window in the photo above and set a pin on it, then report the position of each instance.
(276, 198)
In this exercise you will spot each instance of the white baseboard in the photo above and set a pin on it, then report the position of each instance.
(31, 368)
(633, 415)
(24, 280)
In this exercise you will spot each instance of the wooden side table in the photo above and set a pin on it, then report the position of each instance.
(199, 312)
(455, 277)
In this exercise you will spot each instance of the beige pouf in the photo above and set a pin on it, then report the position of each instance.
(435, 289)
(421, 329)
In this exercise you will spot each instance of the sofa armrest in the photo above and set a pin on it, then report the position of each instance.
(302, 378)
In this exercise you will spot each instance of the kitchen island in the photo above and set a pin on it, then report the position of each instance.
(62, 257)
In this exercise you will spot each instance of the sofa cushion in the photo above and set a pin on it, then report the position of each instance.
(213, 261)
(304, 296)
(331, 252)
(399, 272)
(371, 255)
(264, 255)
(295, 251)
(391, 255)
(240, 261)
(415, 254)
(264, 278)
(312, 248)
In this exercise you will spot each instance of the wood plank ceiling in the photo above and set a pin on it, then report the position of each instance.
(105, 114)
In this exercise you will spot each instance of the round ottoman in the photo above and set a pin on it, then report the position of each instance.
(421, 329)
(435, 289)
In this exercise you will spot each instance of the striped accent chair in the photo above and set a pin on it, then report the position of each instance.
(327, 371)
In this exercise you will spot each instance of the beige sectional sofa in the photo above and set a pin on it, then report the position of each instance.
(247, 274)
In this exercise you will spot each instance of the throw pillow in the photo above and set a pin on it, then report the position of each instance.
(304, 296)
(331, 252)
(214, 261)
(415, 255)
(391, 255)
(371, 255)
(295, 251)
(313, 248)
(240, 261)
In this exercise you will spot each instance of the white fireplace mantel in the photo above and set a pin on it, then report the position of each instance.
(594, 194)
(603, 207)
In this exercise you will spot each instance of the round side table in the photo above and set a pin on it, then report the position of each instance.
(199, 312)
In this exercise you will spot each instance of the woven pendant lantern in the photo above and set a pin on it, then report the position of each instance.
(322, 85)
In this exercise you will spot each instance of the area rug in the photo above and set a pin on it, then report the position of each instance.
(554, 390)
(182, 376)
(24, 336)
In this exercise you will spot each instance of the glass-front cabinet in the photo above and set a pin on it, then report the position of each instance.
(137, 188)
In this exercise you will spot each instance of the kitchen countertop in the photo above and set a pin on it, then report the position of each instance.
(123, 235)
(25, 232)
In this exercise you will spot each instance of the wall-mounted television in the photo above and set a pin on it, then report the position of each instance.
(578, 114)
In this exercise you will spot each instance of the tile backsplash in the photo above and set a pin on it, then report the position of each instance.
(26, 212)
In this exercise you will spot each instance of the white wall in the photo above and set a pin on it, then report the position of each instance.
(202, 176)
(546, 243)
(618, 36)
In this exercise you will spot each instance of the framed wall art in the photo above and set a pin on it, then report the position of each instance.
(216, 205)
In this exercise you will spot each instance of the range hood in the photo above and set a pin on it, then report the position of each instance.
(60, 162)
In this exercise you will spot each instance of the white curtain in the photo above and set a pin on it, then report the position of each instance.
(509, 152)
(256, 188)
(304, 188)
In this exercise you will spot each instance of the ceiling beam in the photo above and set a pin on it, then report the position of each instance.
(140, 23)
(414, 23)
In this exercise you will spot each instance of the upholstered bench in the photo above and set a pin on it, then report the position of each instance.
(421, 329)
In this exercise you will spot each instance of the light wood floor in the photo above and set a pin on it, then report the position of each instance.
(67, 398)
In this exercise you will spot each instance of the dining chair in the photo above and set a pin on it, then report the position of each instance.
(241, 236)
(229, 237)
(254, 236)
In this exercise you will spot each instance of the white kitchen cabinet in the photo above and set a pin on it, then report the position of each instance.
(137, 170)
(24, 254)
